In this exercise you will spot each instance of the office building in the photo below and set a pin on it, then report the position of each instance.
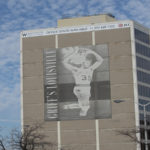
(88, 79)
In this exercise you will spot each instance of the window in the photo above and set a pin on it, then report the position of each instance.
(142, 133)
(142, 49)
(142, 63)
(141, 36)
(143, 77)
(148, 119)
(141, 119)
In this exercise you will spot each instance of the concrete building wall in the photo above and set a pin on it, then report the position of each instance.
(81, 134)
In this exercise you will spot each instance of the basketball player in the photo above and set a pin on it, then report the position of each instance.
(83, 74)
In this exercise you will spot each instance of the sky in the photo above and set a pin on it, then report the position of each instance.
(19, 15)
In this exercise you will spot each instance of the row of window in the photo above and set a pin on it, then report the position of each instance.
(141, 36)
(142, 49)
(143, 77)
(143, 91)
(142, 63)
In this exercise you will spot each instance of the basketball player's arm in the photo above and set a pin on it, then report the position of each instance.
(67, 62)
(98, 62)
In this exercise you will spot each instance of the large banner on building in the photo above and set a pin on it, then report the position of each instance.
(76, 83)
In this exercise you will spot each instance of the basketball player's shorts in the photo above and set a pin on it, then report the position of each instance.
(82, 91)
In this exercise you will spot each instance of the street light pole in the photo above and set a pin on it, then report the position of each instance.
(145, 124)
(145, 120)
(145, 128)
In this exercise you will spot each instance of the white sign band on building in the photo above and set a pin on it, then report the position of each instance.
(75, 29)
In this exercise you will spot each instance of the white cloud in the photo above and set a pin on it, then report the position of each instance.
(9, 49)
(9, 97)
(138, 10)
(9, 76)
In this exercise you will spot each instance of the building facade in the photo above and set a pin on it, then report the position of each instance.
(142, 44)
(87, 80)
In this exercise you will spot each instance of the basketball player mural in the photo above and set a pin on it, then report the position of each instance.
(82, 62)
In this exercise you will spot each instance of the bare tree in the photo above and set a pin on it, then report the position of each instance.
(2, 146)
(132, 135)
(31, 138)
(2, 141)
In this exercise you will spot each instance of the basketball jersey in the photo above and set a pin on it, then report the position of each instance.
(83, 76)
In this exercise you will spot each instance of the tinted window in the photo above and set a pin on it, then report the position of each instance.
(143, 77)
(143, 50)
(143, 63)
(141, 36)
(143, 91)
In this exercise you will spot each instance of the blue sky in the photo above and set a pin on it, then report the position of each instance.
(18, 15)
